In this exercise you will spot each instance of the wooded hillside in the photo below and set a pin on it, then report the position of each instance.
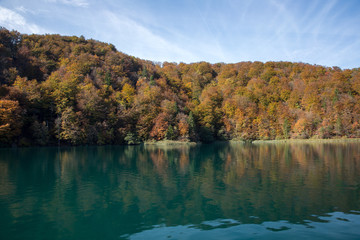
(69, 90)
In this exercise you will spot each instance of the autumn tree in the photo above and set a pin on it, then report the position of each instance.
(81, 91)
(10, 121)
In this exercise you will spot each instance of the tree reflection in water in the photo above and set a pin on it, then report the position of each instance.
(128, 189)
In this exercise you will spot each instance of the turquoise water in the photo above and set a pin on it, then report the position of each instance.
(216, 191)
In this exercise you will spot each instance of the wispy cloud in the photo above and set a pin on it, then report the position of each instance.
(134, 38)
(319, 17)
(213, 44)
(12, 20)
(313, 31)
(22, 9)
(76, 3)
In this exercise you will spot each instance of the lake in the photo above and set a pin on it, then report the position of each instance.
(214, 191)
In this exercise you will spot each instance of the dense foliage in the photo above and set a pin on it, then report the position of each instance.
(58, 89)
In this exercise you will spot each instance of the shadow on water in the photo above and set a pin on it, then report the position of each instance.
(112, 191)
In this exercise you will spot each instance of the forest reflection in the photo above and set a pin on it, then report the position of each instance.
(134, 187)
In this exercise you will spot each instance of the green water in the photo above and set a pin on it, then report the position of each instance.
(217, 191)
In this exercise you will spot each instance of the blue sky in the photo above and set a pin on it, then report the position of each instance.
(323, 32)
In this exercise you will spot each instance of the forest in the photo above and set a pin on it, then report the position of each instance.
(70, 90)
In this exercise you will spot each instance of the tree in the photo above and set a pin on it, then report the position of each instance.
(183, 125)
(86, 92)
(131, 139)
(10, 121)
(170, 133)
(161, 125)
(72, 127)
(192, 127)
(40, 132)
(286, 128)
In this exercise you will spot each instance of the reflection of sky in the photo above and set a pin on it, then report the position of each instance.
(318, 32)
(336, 225)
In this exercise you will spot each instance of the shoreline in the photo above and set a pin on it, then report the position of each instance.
(279, 141)
(326, 140)
(188, 143)
(170, 142)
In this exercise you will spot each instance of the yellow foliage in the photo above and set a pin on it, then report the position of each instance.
(10, 120)
(128, 93)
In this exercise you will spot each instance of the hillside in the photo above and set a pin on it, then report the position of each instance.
(69, 90)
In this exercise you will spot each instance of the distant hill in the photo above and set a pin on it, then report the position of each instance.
(69, 90)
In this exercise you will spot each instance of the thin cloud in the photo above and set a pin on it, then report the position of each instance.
(75, 3)
(22, 9)
(215, 46)
(315, 31)
(318, 18)
(139, 40)
(14, 21)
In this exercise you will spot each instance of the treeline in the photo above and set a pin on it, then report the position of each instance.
(69, 90)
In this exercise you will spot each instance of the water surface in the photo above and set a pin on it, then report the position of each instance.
(216, 191)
